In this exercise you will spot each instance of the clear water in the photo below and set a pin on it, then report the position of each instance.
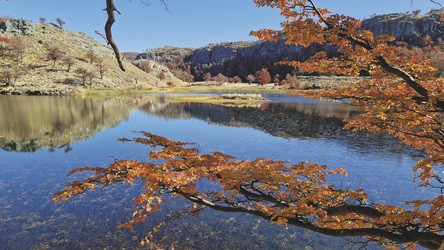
(45, 137)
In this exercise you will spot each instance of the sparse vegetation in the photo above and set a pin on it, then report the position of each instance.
(54, 53)
(100, 66)
(68, 60)
(49, 60)
(17, 47)
(9, 76)
(60, 22)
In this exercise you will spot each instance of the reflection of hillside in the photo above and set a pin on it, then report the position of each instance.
(286, 120)
(30, 123)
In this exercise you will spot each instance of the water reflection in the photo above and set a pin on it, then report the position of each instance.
(29, 220)
(30, 123)
(302, 120)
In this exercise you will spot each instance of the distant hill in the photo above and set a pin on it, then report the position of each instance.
(245, 58)
(45, 59)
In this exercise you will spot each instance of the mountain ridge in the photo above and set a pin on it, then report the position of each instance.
(242, 59)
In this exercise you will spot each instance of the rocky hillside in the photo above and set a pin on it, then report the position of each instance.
(245, 58)
(232, 58)
(44, 59)
(407, 27)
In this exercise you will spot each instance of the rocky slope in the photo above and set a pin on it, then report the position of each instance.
(407, 27)
(47, 77)
(234, 58)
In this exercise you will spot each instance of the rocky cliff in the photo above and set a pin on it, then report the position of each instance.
(233, 58)
(407, 27)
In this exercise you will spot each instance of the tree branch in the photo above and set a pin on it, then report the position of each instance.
(110, 8)
(425, 239)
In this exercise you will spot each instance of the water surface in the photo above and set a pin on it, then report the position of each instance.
(42, 138)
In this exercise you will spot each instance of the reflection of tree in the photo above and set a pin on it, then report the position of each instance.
(68, 148)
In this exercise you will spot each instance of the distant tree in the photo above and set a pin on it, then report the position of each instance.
(91, 75)
(17, 46)
(42, 20)
(416, 12)
(60, 22)
(220, 78)
(188, 77)
(9, 76)
(4, 41)
(432, 52)
(100, 66)
(263, 76)
(162, 76)
(83, 74)
(290, 80)
(237, 79)
(69, 61)
(251, 78)
(276, 81)
(428, 41)
(91, 56)
(276, 76)
(183, 75)
(54, 53)
(207, 77)
(145, 67)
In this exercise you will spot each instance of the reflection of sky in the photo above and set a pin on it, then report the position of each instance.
(27, 180)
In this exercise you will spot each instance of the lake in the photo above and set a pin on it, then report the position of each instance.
(42, 138)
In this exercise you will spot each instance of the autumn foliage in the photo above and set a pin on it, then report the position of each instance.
(263, 77)
(60, 22)
(403, 97)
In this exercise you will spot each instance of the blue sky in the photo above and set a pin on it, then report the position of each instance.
(190, 23)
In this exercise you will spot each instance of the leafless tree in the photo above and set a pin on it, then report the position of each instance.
(69, 61)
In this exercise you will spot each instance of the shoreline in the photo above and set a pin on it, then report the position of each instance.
(321, 82)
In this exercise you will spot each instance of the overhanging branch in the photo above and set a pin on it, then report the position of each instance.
(425, 239)
(423, 92)
(110, 8)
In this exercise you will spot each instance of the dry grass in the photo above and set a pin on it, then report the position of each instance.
(216, 99)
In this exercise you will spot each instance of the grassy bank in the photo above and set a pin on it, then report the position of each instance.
(111, 92)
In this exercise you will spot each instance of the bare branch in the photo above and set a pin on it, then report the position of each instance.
(110, 8)
(103, 36)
